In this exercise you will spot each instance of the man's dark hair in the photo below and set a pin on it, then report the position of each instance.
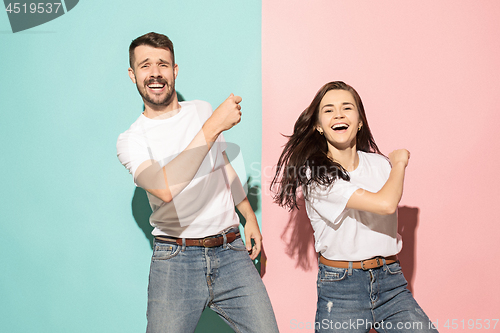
(151, 39)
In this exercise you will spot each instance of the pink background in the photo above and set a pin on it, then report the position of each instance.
(429, 76)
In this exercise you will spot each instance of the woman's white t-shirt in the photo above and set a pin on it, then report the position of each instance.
(348, 234)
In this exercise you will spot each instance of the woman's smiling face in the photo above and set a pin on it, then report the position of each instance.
(338, 119)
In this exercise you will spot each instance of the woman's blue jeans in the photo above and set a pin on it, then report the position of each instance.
(356, 300)
(183, 281)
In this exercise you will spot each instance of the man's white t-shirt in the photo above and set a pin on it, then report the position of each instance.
(205, 206)
(348, 234)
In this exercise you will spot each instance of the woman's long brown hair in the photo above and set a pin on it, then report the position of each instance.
(304, 158)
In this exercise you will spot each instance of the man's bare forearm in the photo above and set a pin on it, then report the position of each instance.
(168, 181)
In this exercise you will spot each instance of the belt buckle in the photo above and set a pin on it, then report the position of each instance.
(370, 260)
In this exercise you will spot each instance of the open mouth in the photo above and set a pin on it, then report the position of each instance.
(340, 127)
(156, 86)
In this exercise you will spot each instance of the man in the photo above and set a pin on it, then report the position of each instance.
(176, 152)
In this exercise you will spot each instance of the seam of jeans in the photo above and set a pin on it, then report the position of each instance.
(235, 248)
(170, 256)
(323, 277)
(229, 245)
(223, 314)
(400, 271)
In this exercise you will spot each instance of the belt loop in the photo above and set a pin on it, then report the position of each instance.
(227, 230)
(183, 244)
(349, 270)
(385, 265)
(224, 237)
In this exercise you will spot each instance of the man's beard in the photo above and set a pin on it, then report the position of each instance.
(170, 89)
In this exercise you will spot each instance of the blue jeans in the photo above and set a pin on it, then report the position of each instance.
(357, 300)
(183, 281)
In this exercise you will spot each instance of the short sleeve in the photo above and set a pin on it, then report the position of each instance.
(132, 152)
(330, 201)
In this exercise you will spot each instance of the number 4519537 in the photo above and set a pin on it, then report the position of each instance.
(40, 8)
(471, 324)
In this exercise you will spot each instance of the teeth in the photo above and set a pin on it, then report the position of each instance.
(336, 126)
(156, 85)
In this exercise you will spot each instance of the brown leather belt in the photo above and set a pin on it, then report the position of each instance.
(211, 241)
(364, 264)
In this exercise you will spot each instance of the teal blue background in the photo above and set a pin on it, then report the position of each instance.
(72, 257)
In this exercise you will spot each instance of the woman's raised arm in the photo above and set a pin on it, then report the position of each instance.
(385, 201)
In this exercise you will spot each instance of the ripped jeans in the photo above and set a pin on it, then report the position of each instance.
(182, 282)
(375, 298)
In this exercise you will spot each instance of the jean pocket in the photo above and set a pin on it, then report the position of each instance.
(237, 245)
(394, 268)
(164, 251)
(331, 274)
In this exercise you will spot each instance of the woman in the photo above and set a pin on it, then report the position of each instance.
(351, 195)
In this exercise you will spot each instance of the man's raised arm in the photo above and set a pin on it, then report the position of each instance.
(168, 181)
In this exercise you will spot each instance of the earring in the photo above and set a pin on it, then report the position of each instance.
(320, 132)
(359, 127)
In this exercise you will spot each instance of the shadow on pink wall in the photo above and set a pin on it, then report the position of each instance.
(298, 237)
(407, 226)
(299, 240)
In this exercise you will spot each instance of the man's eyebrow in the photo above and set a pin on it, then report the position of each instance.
(165, 61)
(145, 60)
